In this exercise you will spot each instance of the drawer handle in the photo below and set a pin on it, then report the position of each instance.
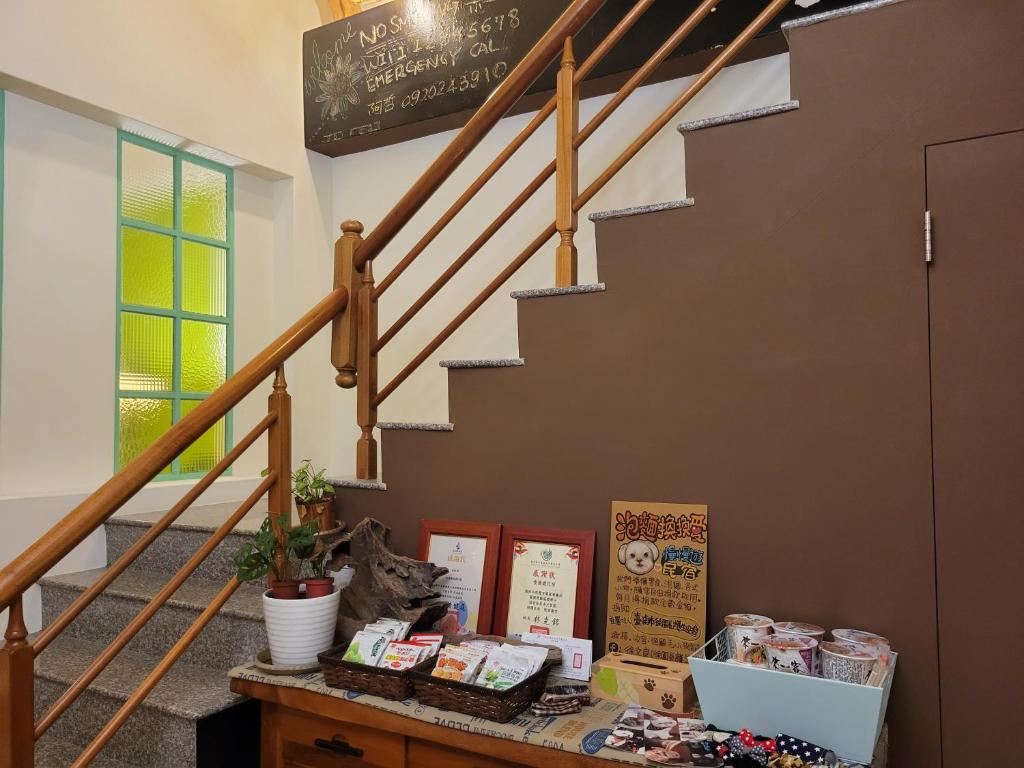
(338, 746)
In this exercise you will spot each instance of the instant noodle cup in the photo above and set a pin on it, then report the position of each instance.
(799, 628)
(791, 653)
(868, 641)
(846, 662)
(747, 632)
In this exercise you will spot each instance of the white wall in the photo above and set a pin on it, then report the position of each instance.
(225, 75)
(366, 185)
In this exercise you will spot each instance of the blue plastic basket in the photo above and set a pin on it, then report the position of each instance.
(843, 717)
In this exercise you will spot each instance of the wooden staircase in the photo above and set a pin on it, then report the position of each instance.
(191, 719)
(669, 382)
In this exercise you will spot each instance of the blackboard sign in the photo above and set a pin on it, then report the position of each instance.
(411, 60)
(411, 67)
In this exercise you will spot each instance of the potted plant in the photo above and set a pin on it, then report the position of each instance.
(298, 626)
(314, 496)
(320, 583)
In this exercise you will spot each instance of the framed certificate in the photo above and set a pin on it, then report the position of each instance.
(544, 582)
(470, 553)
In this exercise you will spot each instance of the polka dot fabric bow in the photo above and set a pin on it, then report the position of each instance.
(744, 749)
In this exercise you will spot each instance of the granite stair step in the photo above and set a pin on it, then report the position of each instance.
(233, 636)
(353, 482)
(501, 362)
(416, 426)
(54, 752)
(178, 725)
(692, 126)
(640, 210)
(571, 290)
(836, 13)
(179, 542)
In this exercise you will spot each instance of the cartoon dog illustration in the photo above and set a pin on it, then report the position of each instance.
(639, 557)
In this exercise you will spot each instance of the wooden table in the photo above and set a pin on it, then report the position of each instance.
(305, 729)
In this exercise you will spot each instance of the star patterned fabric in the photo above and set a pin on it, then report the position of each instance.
(809, 753)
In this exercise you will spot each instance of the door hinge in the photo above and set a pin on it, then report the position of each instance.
(928, 253)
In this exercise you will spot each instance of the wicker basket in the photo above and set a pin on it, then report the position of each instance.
(475, 700)
(376, 681)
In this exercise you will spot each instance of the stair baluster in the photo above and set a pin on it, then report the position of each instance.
(366, 384)
(279, 463)
(16, 691)
(566, 170)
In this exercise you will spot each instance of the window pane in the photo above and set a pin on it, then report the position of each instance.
(204, 273)
(141, 421)
(147, 268)
(147, 352)
(147, 185)
(207, 450)
(204, 199)
(203, 356)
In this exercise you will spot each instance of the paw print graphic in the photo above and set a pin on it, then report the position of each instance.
(668, 700)
(649, 684)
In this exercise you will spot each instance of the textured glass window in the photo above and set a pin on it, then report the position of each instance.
(203, 356)
(208, 449)
(204, 201)
(147, 185)
(204, 282)
(174, 291)
(147, 268)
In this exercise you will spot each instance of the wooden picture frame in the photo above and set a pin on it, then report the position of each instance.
(583, 541)
(490, 533)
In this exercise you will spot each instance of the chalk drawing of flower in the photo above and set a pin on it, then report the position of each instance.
(337, 83)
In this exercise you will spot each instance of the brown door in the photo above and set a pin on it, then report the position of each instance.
(976, 288)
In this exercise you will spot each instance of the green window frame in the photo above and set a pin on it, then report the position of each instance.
(175, 299)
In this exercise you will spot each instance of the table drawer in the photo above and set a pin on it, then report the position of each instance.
(308, 741)
(427, 754)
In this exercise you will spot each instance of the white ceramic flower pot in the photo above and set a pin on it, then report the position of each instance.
(300, 629)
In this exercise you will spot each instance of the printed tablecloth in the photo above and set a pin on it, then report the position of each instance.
(582, 733)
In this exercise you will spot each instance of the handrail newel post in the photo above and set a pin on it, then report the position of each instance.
(343, 329)
(279, 461)
(567, 123)
(17, 740)
(366, 378)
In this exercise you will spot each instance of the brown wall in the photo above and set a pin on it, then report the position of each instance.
(764, 352)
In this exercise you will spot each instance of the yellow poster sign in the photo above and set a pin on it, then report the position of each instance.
(657, 579)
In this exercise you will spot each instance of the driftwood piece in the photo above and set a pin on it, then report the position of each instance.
(384, 584)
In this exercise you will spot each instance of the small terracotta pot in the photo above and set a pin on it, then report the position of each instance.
(322, 510)
(284, 590)
(318, 587)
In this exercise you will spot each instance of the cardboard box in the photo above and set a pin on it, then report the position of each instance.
(665, 686)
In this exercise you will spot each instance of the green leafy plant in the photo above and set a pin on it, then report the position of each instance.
(310, 486)
(255, 558)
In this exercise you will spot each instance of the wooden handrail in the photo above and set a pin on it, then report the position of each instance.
(595, 58)
(154, 677)
(355, 358)
(132, 628)
(638, 78)
(130, 555)
(497, 105)
(34, 562)
(720, 61)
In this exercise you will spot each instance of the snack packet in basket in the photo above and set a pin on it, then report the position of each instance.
(367, 647)
(458, 663)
